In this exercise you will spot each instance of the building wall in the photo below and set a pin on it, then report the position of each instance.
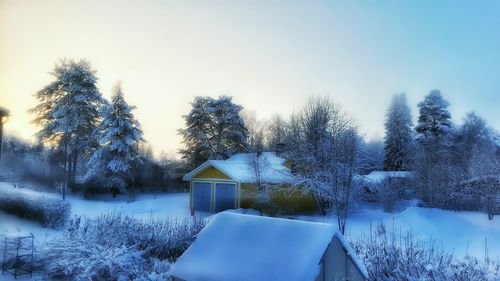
(286, 200)
(211, 173)
(337, 265)
(213, 176)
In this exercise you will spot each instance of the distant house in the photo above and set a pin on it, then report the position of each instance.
(375, 182)
(248, 248)
(380, 176)
(218, 185)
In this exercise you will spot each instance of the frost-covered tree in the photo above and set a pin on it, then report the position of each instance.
(119, 134)
(323, 144)
(276, 131)
(213, 129)
(434, 140)
(434, 120)
(473, 135)
(475, 154)
(398, 135)
(371, 156)
(256, 130)
(68, 112)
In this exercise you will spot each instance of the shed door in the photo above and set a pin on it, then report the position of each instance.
(202, 196)
(225, 196)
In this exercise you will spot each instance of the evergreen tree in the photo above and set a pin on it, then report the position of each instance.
(68, 112)
(119, 135)
(398, 135)
(214, 130)
(434, 120)
(434, 135)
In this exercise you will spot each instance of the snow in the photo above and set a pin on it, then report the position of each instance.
(246, 247)
(379, 176)
(239, 168)
(143, 206)
(462, 232)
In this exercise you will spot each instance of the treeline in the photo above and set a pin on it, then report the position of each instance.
(455, 166)
(86, 142)
(96, 144)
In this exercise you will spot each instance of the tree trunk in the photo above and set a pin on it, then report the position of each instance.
(65, 168)
(73, 170)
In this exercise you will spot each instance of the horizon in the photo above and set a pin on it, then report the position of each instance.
(165, 54)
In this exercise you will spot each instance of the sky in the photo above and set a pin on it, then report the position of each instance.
(269, 55)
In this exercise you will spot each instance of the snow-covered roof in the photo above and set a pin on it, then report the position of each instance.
(248, 247)
(240, 167)
(378, 176)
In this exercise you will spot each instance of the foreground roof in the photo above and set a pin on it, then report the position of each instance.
(239, 167)
(247, 247)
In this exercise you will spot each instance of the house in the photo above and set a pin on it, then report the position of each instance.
(374, 183)
(248, 248)
(218, 185)
(380, 176)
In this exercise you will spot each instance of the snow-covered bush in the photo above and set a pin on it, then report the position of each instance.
(48, 211)
(391, 256)
(117, 247)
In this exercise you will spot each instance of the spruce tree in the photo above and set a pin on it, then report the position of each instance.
(434, 139)
(68, 112)
(398, 139)
(119, 134)
(434, 120)
(214, 130)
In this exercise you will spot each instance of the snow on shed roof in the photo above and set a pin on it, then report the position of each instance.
(247, 247)
(378, 176)
(239, 167)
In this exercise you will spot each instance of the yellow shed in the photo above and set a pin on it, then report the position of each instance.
(218, 185)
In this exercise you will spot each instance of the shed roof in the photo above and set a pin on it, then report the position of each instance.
(240, 167)
(248, 247)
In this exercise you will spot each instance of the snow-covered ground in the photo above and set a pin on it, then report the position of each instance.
(463, 232)
(460, 232)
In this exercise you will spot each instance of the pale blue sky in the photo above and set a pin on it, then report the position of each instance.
(269, 55)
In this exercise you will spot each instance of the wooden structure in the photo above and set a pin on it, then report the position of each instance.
(218, 185)
(18, 253)
(247, 248)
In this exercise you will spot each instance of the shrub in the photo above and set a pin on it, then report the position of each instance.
(116, 247)
(391, 257)
(48, 211)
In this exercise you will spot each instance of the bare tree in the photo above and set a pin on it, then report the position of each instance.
(323, 143)
(276, 129)
(256, 130)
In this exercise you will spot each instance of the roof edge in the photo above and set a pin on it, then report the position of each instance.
(206, 164)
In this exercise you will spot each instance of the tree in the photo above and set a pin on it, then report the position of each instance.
(68, 112)
(472, 135)
(324, 143)
(276, 131)
(255, 130)
(434, 139)
(371, 156)
(214, 130)
(113, 163)
(398, 135)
